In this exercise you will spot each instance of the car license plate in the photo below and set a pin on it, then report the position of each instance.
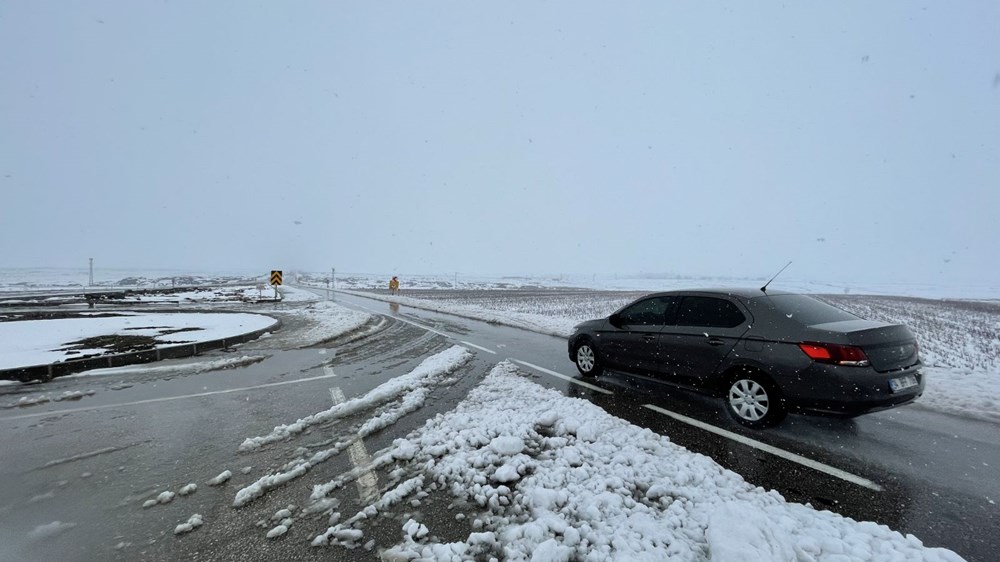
(902, 383)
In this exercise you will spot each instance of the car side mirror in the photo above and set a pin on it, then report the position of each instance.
(615, 320)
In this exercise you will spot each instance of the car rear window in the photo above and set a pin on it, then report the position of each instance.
(808, 311)
(709, 312)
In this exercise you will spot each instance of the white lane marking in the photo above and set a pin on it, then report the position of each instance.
(562, 376)
(815, 465)
(367, 481)
(478, 347)
(164, 399)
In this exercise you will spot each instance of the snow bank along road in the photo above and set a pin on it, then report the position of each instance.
(298, 448)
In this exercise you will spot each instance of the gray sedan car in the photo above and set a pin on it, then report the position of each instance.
(765, 353)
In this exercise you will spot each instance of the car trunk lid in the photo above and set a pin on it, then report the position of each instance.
(889, 347)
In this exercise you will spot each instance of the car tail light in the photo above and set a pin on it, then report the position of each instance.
(835, 353)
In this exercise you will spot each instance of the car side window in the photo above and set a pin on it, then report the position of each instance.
(649, 312)
(709, 312)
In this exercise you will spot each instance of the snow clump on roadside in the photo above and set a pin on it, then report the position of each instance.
(162, 498)
(192, 523)
(50, 530)
(221, 479)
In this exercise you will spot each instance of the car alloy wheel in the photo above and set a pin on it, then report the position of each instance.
(749, 400)
(587, 360)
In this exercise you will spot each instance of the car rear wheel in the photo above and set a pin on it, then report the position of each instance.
(587, 361)
(754, 401)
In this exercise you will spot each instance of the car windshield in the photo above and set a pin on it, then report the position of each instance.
(807, 311)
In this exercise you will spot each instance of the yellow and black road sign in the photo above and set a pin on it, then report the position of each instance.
(275, 277)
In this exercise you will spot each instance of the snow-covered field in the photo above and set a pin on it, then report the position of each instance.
(55, 278)
(643, 283)
(37, 342)
(221, 294)
(192, 296)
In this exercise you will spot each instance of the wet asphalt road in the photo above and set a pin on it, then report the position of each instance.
(92, 463)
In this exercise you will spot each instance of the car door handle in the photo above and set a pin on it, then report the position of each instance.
(649, 339)
(715, 341)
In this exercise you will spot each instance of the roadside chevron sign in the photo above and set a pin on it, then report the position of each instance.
(276, 277)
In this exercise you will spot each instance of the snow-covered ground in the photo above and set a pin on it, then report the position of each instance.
(55, 278)
(37, 342)
(193, 296)
(646, 283)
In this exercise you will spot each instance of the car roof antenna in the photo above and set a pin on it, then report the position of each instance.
(764, 288)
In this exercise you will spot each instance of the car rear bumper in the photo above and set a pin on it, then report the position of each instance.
(851, 409)
(848, 391)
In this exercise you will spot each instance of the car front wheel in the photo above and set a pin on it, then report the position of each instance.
(753, 401)
(587, 361)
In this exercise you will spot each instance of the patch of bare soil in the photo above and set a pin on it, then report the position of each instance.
(112, 344)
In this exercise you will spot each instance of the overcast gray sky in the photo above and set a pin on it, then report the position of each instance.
(860, 139)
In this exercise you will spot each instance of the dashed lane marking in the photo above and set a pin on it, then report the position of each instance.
(368, 481)
(815, 465)
(478, 347)
(564, 377)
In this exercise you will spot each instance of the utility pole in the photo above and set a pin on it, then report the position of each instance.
(91, 272)
(333, 276)
(456, 279)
